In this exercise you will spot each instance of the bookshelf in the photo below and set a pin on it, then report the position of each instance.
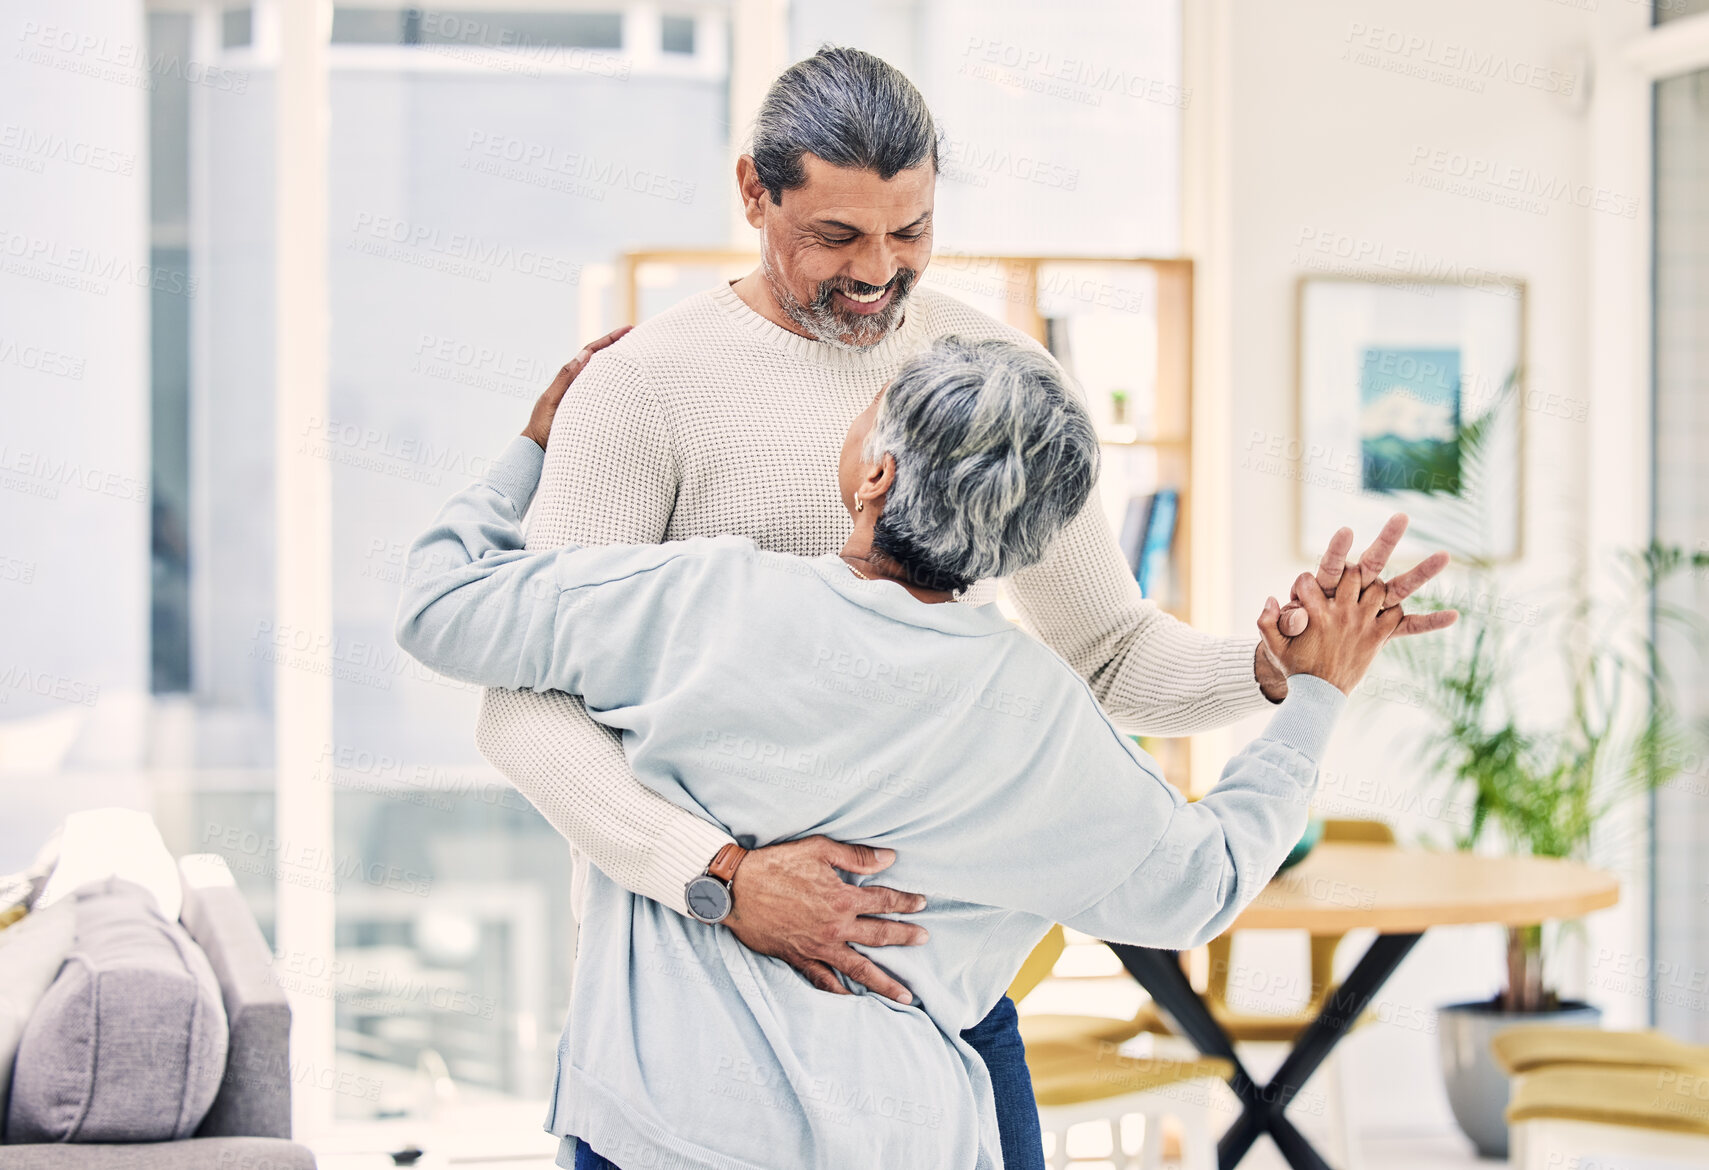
(1133, 315)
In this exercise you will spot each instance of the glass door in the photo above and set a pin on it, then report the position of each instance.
(1680, 964)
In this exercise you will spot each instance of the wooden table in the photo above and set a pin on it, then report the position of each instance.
(1339, 887)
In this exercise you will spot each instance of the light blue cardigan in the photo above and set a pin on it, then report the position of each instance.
(780, 697)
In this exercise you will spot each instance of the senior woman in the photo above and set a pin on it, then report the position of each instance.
(782, 697)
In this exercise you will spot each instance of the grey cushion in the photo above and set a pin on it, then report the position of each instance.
(246, 1153)
(129, 1044)
(255, 1098)
(31, 951)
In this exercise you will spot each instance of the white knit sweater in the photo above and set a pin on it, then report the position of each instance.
(709, 419)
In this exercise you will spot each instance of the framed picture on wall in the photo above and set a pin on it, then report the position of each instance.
(1409, 395)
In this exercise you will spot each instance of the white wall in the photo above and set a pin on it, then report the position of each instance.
(1063, 135)
(74, 377)
(1328, 140)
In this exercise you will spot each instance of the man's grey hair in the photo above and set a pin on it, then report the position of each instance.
(847, 107)
(994, 455)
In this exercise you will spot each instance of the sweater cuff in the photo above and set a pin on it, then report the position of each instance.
(684, 848)
(1307, 716)
(516, 472)
(1234, 689)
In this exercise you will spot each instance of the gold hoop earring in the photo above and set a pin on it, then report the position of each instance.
(859, 503)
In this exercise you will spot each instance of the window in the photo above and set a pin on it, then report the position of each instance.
(477, 28)
(237, 27)
(1681, 495)
(463, 256)
(676, 34)
(169, 368)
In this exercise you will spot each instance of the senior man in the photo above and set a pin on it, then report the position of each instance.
(725, 415)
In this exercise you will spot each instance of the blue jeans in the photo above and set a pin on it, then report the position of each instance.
(997, 1040)
(586, 1159)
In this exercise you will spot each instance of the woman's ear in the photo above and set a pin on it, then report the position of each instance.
(882, 477)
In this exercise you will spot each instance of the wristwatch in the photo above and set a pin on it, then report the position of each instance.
(708, 895)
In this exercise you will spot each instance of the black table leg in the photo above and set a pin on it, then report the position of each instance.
(1263, 1106)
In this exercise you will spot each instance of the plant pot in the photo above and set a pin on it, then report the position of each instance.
(1477, 1088)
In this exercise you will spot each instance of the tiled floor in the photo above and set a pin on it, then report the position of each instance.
(1421, 1150)
(509, 1139)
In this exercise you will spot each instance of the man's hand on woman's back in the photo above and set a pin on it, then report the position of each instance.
(789, 901)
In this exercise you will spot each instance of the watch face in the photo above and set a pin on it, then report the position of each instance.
(708, 899)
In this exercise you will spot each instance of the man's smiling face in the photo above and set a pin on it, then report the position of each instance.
(842, 251)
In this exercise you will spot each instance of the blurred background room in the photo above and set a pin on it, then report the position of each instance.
(276, 278)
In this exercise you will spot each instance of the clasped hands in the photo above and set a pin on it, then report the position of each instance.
(1287, 646)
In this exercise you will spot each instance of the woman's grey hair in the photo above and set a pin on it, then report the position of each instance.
(847, 107)
(994, 455)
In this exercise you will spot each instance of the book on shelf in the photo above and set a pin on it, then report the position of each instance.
(1147, 536)
(1132, 538)
(1153, 570)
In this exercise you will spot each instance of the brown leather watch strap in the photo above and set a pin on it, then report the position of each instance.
(725, 862)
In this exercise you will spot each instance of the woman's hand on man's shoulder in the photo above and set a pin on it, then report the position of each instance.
(539, 426)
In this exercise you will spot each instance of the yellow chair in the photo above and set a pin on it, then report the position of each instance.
(1243, 1027)
(1619, 1094)
(1560, 1113)
(1528, 1049)
(1078, 1083)
(1259, 1028)
(1039, 964)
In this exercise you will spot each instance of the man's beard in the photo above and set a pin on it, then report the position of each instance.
(825, 321)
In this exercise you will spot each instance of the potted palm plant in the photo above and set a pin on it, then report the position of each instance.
(1546, 714)
(1538, 776)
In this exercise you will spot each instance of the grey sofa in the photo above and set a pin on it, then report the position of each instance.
(248, 1126)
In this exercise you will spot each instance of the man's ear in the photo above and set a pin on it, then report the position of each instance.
(752, 191)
